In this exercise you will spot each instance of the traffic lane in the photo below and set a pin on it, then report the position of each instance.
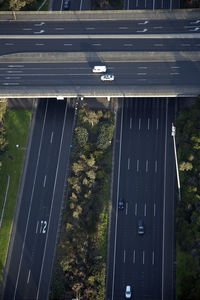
(39, 217)
(24, 205)
(125, 74)
(56, 6)
(95, 45)
(98, 27)
(55, 212)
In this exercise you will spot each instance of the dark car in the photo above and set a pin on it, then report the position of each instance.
(66, 5)
(140, 227)
(121, 204)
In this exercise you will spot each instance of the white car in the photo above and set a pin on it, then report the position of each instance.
(107, 77)
(128, 292)
(99, 69)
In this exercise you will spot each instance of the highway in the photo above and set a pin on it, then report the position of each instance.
(32, 250)
(144, 178)
(152, 4)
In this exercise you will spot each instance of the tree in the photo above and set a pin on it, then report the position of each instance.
(18, 4)
(81, 135)
(105, 136)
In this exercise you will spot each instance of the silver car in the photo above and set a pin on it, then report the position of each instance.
(128, 292)
(107, 77)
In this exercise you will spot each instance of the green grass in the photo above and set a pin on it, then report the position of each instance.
(17, 126)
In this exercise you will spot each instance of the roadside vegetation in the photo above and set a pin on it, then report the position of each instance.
(26, 5)
(188, 209)
(14, 126)
(80, 264)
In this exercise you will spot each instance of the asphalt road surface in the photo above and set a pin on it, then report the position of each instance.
(80, 74)
(144, 177)
(31, 256)
(152, 4)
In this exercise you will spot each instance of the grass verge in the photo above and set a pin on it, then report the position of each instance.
(17, 126)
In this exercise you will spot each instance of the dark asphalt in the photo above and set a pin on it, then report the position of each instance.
(152, 4)
(31, 260)
(146, 183)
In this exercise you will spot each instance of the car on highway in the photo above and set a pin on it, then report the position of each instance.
(140, 227)
(99, 69)
(66, 5)
(128, 292)
(107, 77)
(121, 204)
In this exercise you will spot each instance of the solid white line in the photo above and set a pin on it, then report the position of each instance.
(153, 5)
(44, 182)
(143, 257)
(128, 163)
(139, 123)
(154, 209)
(37, 227)
(53, 198)
(164, 200)
(130, 123)
(156, 166)
(135, 209)
(153, 258)
(10, 83)
(81, 3)
(137, 165)
(126, 208)
(124, 256)
(119, 165)
(29, 211)
(148, 123)
(157, 123)
(134, 256)
(147, 165)
(145, 209)
(51, 137)
(29, 273)
(15, 66)
(123, 27)
(13, 71)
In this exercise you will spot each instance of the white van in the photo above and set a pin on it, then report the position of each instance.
(99, 69)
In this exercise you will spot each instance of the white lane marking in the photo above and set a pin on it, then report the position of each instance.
(126, 208)
(141, 79)
(156, 166)
(137, 165)
(67, 44)
(128, 45)
(139, 123)
(164, 200)
(147, 165)
(40, 24)
(157, 120)
(185, 45)
(29, 273)
(124, 256)
(44, 182)
(198, 45)
(143, 257)
(153, 258)
(13, 71)
(39, 44)
(144, 30)
(30, 205)
(128, 163)
(134, 256)
(135, 209)
(153, 4)
(27, 29)
(145, 209)
(158, 45)
(96, 44)
(36, 231)
(9, 44)
(195, 29)
(10, 83)
(175, 73)
(13, 78)
(143, 23)
(195, 22)
(52, 202)
(154, 209)
(142, 67)
(130, 123)
(148, 123)
(123, 27)
(89, 28)
(15, 66)
(51, 137)
(38, 32)
(59, 28)
(115, 241)
(157, 27)
(175, 67)
(141, 74)
(81, 3)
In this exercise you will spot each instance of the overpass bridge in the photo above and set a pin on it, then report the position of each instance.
(51, 54)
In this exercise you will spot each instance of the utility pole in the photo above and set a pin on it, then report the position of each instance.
(175, 154)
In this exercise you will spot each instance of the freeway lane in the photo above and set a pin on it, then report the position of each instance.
(146, 183)
(152, 4)
(100, 27)
(29, 268)
(9, 46)
(80, 74)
